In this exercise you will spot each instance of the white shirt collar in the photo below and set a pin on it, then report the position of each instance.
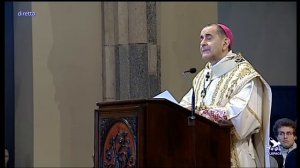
(222, 66)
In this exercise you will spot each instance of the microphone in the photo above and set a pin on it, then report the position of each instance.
(192, 70)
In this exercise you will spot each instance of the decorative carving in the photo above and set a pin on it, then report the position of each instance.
(118, 142)
(119, 153)
(131, 121)
(104, 123)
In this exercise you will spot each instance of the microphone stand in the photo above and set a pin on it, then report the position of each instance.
(193, 105)
(192, 117)
(191, 123)
(191, 120)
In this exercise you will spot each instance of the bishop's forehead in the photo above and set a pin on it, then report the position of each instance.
(209, 29)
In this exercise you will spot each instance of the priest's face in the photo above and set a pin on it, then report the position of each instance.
(213, 45)
(286, 136)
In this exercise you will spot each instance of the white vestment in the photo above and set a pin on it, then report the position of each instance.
(234, 88)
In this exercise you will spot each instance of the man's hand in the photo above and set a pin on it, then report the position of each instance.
(217, 115)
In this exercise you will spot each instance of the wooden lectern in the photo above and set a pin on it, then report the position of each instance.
(157, 133)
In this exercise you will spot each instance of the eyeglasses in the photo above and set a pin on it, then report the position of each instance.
(285, 133)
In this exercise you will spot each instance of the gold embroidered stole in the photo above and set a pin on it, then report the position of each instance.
(230, 83)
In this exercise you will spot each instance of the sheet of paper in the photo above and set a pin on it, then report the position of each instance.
(167, 95)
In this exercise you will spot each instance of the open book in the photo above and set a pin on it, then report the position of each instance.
(167, 95)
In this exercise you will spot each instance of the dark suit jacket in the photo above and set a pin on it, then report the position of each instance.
(291, 159)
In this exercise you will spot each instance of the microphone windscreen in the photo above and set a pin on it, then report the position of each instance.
(193, 70)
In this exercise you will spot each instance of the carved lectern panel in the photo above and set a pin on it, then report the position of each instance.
(119, 146)
(116, 139)
(157, 133)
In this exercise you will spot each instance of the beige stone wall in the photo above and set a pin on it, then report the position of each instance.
(66, 48)
(180, 26)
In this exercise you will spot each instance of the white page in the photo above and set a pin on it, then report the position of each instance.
(167, 95)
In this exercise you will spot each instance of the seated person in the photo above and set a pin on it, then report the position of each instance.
(285, 131)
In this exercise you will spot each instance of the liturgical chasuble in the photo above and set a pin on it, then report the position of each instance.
(233, 90)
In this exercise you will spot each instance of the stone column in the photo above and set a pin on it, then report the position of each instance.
(110, 20)
(123, 76)
(153, 48)
(131, 55)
